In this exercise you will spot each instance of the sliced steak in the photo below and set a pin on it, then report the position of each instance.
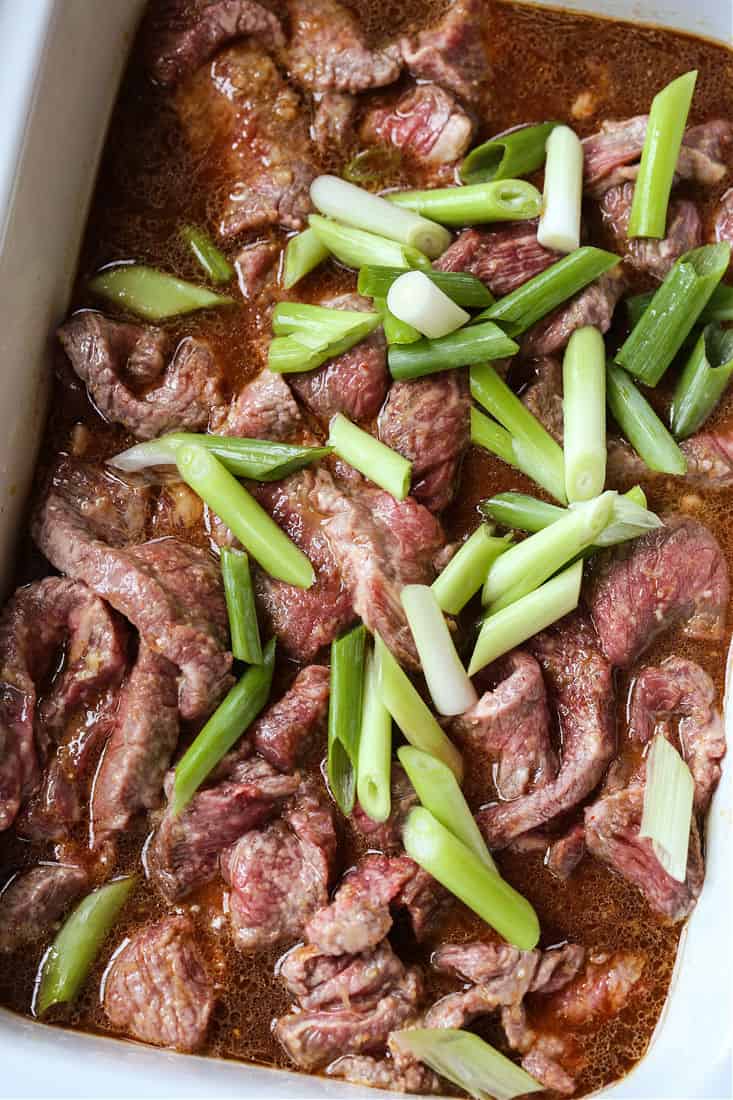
(37, 622)
(564, 855)
(101, 350)
(674, 573)
(424, 122)
(330, 981)
(328, 52)
(279, 875)
(185, 850)
(427, 421)
(653, 257)
(32, 903)
(384, 1073)
(509, 728)
(581, 687)
(543, 396)
(502, 258)
(170, 591)
(723, 218)
(192, 33)
(239, 112)
(157, 989)
(601, 991)
(386, 836)
(680, 689)
(263, 409)
(256, 267)
(709, 456)
(333, 122)
(594, 305)
(451, 52)
(288, 725)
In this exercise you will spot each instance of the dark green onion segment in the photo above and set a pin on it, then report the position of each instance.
(703, 381)
(508, 156)
(640, 424)
(240, 599)
(257, 459)
(474, 344)
(464, 290)
(212, 260)
(719, 307)
(345, 715)
(503, 200)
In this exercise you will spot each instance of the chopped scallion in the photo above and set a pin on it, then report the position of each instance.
(502, 200)
(356, 247)
(450, 689)
(240, 600)
(466, 571)
(212, 260)
(466, 1061)
(151, 294)
(395, 331)
(719, 307)
(490, 435)
(668, 797)
(258, 459)
(373, 774)
(508, 156)
(640, 424)
(345, 715)
(584, 414)
(559, 224)
(703, 380)
(475, 344)
(303, 253)
(416, 300)
(463, 289)
(370, 457)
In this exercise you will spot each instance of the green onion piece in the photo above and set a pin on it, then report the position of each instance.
(501, 201)
(232, 717)
(212, 260)
(240, 598)
(508, 156)
(531, 442)
(526, 617)
(466, 571)
(419, 302)
(395, 331)
(475, 344)
(640, 424)
(527, 565)
(584, 414)
(438, 790)
(292, 318)
(450, 689)
(719, 307)
(306, 350)
(353, 206)
(373, 773)
(356, 247)
(490, 435)
(542, 293)
(258, 459)
(668, 798)
(655, 340)
(303, 253)
(70, 957)
(559, 224)
(702, 383)
(457, 868)
(631, 518)
(464, 290)
(411, 712)
(256, 530)
(151, 294)
(345, 714)
(520, 511)
(373, 166)
(466, 1061)
(370, 457)
(664, 132)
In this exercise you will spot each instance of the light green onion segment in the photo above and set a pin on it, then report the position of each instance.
(306, 336)
(257, 459)
(703, 381)
(374, 770)
(345, 715)
(240, 600)
(370, 457)
(466, 1061)
(640, 424)
(450, 689)
(559, 224)
(526, 617)
(508, 156)
(246, 519)
(664, 132)
(231, 718)
(668, 796)
(303, 253)
(395, 331)
(584, 414)
(70, 957)
(492, 437)
(212, 260)
(152, 294)
(475, 344)
(355, 247)
(463, 289)
(503, 200)
(411, 712)
(466, 571)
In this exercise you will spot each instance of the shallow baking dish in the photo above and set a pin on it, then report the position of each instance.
(60, 65)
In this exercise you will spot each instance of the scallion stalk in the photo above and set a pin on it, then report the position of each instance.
(508, 156)
(640, 424)
(345, 715)
(152, 294)
(417, 301)
(370, 457)
(559, 224)
(466, 571)
(450, 689)
(676, 306)
(291, 318)
(305, 350)
(212, 260)
(475, 344)
(524, 513)
(303, 253)
(526, 617)
(462, 873)
(703, 381)
(356, 247)
(719, 307)
(395, 331)
(584, 414)
(227, 724)
(490, 435)
(668, 797)
(256, 530)
(463, 289)
(411, 712)
(240, 600)
(503, 200)
(373, 773)
(466, 1061)
(664, 132)
(257, 459)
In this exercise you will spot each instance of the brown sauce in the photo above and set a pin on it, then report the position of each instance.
(544, 62)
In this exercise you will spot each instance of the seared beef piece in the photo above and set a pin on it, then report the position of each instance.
(709, 457)
(190, 34)
(511, 727)
(333, 122)
(427, 421)
(263, 409)
(256, 267)
(503, 258)
(600, 991)
(610, 154)
(38, 620)
(328, 52)
(240, 112)
(565, 854)
(170, 591)
(380, 544)
(580, 683)
(612, 835)
(723, 219)
(304, 619)
(424, 122)
(451, 52)
(185, 850)
(653, 257)
(137, 755)
(386, 836)
(594, 305)
(540, 1062)
(676, 572)
(286, 726)
(543, 396)
(385, 1073)
(279, 875)
(101, 350)
(680, 689)
(157, 989)
(353, 383)
(329, 981)
(32, 903)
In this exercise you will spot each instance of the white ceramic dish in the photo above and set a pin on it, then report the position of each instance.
(60, 64)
